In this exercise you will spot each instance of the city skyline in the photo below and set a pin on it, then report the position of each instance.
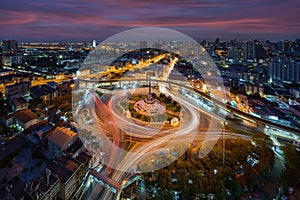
(81, 21)
(144, 119)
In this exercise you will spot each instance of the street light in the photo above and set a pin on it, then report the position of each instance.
(223, 131)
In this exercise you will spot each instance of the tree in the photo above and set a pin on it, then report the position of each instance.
(234, 90)
(183, 183)
(128, 95)
(261, 138)
(256, 95)
(163, 179)
(291, 175)
(266, 159)
(4, 107)
(154, 95)
(162, 96)
(251, 175)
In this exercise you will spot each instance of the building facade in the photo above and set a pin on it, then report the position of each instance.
(280, 71)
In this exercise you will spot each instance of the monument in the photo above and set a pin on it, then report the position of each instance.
(149, 106)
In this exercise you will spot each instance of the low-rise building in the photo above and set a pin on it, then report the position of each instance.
(254, 88)
(11, 148)
(63, 138)
(264, 110)
(45, 187)
(36, 92)
(296, 110)
(51, 91)
(295, 92)
(19, 103)
(17, 89)
(13, 190)
(23, 119)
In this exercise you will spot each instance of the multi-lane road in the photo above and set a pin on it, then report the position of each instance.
(202, 126)
(209, 124)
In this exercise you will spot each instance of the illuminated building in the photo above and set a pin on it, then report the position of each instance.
(249, 50)
(18, 89)
(9, 47)
(284, 71)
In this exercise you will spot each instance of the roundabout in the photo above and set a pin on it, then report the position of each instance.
(157, 124)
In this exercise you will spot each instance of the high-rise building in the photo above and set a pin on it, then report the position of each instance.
(9, 47)
(9, 53)
(235, 53)
(296, 45)
(217, 42)
(287, 45)
(260, 52)
(282, 70)
(94, 44)
(249, 50)
(143, 44)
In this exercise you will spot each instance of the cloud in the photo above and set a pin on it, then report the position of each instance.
(85, 19)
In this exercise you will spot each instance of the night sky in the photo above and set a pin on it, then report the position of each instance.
(84, 20)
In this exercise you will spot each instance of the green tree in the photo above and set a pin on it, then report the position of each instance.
(234, 90)
(251, 175)
(183, 183)
(163, 179)
(291, 175)
(4, 107)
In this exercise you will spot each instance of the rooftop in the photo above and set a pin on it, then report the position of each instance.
(24, 116)
(16, 190)
(83, 157)
(18, 101)
(47, 88)
(37, 91)
(41, 182)
(12, 146)
(52, 84)
(72, 164)
(61, 135)
(62, 172)
(261, 108)
(65, 169)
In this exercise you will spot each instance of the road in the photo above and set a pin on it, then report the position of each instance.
(201, 126)
(116, 153)
(140, 65)
(37, 82)
(216, 102)
(186, 134)
(157, 141)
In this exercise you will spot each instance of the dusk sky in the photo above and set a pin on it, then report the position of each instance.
(84, 20)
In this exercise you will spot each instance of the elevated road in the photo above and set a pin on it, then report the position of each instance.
(203, 95)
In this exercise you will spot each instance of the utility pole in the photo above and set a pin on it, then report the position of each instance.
(223, 131)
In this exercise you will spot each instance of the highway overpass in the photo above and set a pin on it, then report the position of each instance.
(215, 102)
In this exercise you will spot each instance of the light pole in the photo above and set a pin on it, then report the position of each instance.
(223, 145)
